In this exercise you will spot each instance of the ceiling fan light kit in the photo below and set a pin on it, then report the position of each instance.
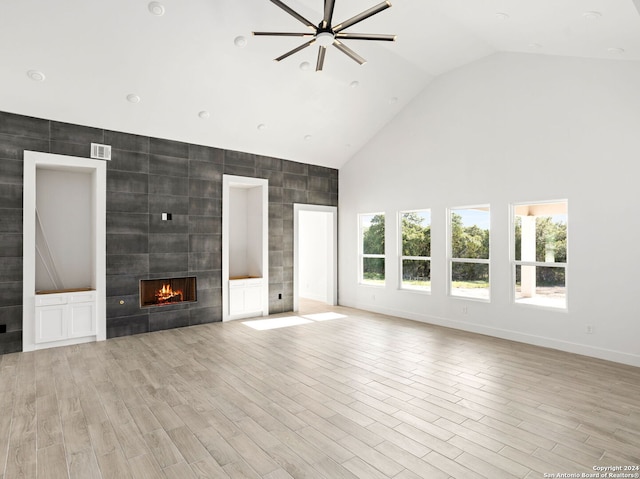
(325, 35)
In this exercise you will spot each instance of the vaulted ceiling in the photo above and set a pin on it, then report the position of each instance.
(201, 77)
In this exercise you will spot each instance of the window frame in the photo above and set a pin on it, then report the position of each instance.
(424, 290)
(362, 255)
(451, 260)
(515, 263)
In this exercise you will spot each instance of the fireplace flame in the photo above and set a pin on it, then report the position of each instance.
(168, 295)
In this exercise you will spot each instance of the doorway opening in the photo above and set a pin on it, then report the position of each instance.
(315, 254)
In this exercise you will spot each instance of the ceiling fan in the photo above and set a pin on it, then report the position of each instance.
(325, 34)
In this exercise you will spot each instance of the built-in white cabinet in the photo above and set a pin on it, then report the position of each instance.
(245, 247)
(245, 296)
(64, 316)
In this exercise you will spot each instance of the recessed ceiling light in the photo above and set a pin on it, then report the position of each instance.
(616, 51)
(262, 126)
(535, 45)
(36, 75)
(305, 66)
(354, 84)
(133, 98)
(502, 16)
(204, 114)
(240, 41)
(393, 100)
(156, 8)
(593, 15)
(307, 137)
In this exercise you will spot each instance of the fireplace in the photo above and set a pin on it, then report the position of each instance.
(163, 292)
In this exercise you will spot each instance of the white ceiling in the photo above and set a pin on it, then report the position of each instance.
(94, 54)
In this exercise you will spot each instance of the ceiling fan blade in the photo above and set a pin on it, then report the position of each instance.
(366, 36)
(282, 34)
(362, 16)
(296, 50)
(349, 52)
(328, 12)
(293, 13)
(321, 52)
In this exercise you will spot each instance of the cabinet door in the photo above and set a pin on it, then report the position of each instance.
(253, 298)
(236, 300)
(51, 323)
(82, 319)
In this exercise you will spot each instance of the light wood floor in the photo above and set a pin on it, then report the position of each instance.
(364, 396)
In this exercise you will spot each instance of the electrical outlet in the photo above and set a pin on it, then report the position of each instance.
(279, 295)
(589, 329)
(464, 310)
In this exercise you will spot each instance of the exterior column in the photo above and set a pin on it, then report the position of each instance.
(528, 253)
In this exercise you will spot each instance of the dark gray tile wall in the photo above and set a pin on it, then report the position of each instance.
(146, 177)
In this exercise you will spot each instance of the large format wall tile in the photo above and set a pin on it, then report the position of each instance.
(145, 178)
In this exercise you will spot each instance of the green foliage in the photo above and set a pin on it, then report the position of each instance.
(373, 268)
(416, 241)
(373, 236)
(373, 243)
(416, 238)
(470, 273)
(470, 242)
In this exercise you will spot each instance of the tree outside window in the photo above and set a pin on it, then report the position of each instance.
(372, 258)
(469, 249)
(415, 259)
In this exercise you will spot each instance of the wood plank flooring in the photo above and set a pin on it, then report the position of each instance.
(361, 395)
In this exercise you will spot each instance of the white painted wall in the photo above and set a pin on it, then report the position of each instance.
(315, 255)
(254, 231)
(63, 201)
(238, 237)
(513, 128)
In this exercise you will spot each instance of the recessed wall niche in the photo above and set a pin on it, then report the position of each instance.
(245, 239)
(64, 272)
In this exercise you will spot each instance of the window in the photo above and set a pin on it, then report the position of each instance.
(372, 248)
(415, 257)
(469, 252)
(540, 253)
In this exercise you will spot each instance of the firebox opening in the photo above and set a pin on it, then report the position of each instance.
(162, 292)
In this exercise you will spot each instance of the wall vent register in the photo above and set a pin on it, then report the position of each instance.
(100, 152)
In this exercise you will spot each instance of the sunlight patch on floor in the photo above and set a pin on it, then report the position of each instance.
(275, 323)
(286, 321)
(324, 316)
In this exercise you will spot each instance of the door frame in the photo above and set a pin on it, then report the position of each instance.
(333, 274)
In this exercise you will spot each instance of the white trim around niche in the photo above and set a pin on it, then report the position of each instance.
(98, 171)
(228, 182)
